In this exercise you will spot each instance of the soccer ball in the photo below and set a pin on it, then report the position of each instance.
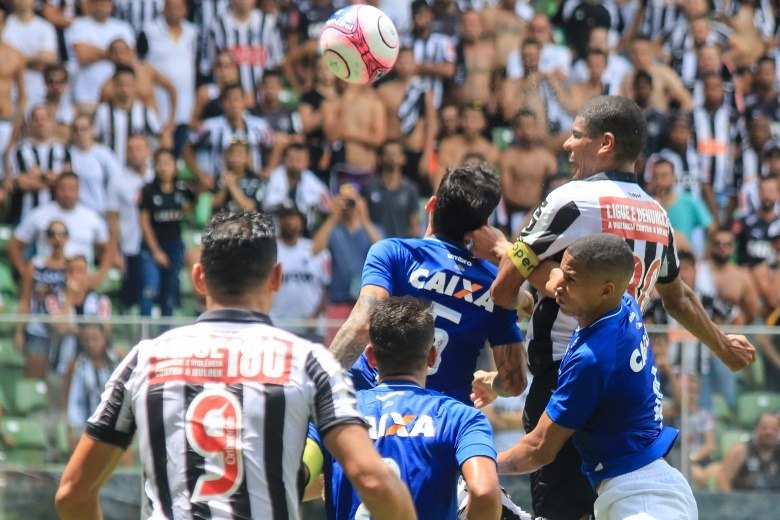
(359, 44)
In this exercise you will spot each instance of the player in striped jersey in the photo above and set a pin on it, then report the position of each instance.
(222, 406)
(251, 36)
(607, 137)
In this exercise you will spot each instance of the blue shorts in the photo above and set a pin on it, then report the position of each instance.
(37, 345)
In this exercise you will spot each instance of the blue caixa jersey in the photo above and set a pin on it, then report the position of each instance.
(458, 284)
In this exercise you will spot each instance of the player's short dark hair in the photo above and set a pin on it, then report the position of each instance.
(620, 116)
(53, 68)
(466, 197)
(227, 89)
(401, 332)
(685, 255)
(239, 250)
(604, 253)
(123, 69)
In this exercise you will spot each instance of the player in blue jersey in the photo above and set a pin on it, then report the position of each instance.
(428, 438)
(608, 394)
(440, 268)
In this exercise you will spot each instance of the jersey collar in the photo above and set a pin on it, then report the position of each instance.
(235, 315)
(614, 176)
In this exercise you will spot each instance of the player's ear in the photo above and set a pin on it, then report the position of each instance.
(432, 355)
(608, 289)
(607, 142)
(430, 204)
(370, 357)
(275, 278)
(198, 280)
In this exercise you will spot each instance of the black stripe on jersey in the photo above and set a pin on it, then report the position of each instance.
(325, 412)
(540, 348)
(669, 258)
(651, 248)
(274, 450)
(563, 219)
(196, 463)
(239, 501)
(104, 429)
(156, 421)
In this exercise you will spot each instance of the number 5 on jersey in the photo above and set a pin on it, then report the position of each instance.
(213, 429)
(440, 336)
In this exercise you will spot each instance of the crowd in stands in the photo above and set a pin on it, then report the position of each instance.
(125, 123)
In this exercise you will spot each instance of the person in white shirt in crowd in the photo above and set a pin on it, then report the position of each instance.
(89, 37)
(12, 95)
(224, 72)
(94, 163)
(36, 39)
(34, 164)
(294, 180)
(58, 99)
(171, 42)
(126, 116)
(122, 213)
(61, 14)
(88, 233)
(305, 277)
(617, 65)
(553, 58)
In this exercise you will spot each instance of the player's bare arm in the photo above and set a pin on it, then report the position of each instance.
(683, 305)
(89, 468)
(536, 449)
(352, 337)
(512, 365)
(484, 491)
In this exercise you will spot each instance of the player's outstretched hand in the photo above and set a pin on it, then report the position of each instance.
(739, 354)
(482, 393)
(488, 243)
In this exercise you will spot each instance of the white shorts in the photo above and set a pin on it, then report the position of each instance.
(654, 492)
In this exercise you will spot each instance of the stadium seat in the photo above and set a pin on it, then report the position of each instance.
(720, 409)
(502, 137)
(6, 232)
(31, 396)
(728, 438)
(112, 283)
(185, 283)
(5, 404)
(29, 442)
(9, 356)
(203, 209)
(752, 404)
(191, 238)
(7, 282)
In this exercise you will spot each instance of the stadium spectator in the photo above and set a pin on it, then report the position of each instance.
(137, 13)
(293, 180)
(553, 57)
(163, 204)
(393, 200)
(172, 45)
(208, 96)
(579, 18)
(305, 23)
(654, 118)
(434, 53)
(42, 280)
(238, 187)
(476, 61)
(122, 214)
(310, 109)
(422, 267)
(755, 159)
(763, 95)
(504, 27)
(87, 231)
(89, 37)
(305, 277)
(469, 140)
(608, 382)
(580, 92)
(126, 115)
(36, 39)
(58, 99)
(443, 439)
(284, 121)
(238, 302)
(753, 465)
(525, 167)
(61, 14)
(35, 163)
(203, 153)
(95, 163)
(411, 118)
(616, 69)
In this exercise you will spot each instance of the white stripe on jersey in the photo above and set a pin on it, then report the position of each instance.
(51, 156)
(216, 134)
(438, 48)
(235, 382)
(582, 208)
(714, 135)
(113, 126)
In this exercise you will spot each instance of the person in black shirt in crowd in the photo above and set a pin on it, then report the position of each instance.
(163, 203)
(238, 187)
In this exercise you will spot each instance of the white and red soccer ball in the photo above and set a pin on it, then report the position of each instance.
(359, 44)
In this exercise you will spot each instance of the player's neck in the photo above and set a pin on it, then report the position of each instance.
(418, 379)
(606, 307)
(260, 302)
(24, 16)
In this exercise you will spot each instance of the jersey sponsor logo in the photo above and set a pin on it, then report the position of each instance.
(459, 259)
(446, 284)
(393, 423)
(223, 360)
(639, 355)
(634, 219)
(248, 54)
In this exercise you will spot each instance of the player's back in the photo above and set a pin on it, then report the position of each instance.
(426, 437)
(458, 285)
(222, 408)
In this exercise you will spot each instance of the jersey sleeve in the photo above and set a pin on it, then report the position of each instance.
(474, 436)
(581, 383)
(113, 422)
(334, 401)
(378, 268)
(505, 329)
(670, 268)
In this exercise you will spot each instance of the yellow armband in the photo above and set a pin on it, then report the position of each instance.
(523, 257)
(312, 458)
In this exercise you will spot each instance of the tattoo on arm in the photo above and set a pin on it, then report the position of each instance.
(512, 365)
(352, 337)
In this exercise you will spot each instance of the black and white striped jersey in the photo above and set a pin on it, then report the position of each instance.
(137, 12)
(114, 125)
(221, 409)
(716, 135)
(436, 48)
(255, 44)
(659, 18)
(26, 155)
(216, 134)
(604, 203)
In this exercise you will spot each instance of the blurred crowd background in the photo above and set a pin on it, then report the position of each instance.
(125, 124)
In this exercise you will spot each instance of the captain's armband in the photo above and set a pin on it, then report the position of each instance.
(523, 257)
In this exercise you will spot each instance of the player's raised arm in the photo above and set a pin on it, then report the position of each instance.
(536, 449)
(352, 337)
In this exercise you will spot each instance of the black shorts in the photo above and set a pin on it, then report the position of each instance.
(559, 491)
